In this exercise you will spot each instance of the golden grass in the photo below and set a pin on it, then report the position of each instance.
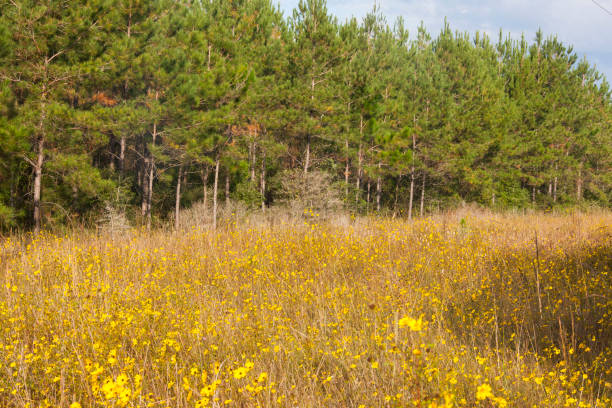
(434, 313)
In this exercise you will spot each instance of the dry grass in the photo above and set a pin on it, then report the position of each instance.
(439, 312)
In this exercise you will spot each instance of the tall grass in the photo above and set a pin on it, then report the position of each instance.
(453, 310)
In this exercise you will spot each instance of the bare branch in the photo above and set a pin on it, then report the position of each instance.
(29, 161)
(6, 78)
(57, 54)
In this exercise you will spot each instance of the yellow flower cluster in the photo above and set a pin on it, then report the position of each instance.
(117, 390)
(413, 324)
(484, 392)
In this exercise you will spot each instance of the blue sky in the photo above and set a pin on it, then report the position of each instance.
(580, 23)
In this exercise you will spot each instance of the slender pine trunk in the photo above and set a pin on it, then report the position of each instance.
(346, 169)
(397, 183)
(346, 155)
(312, 97)
(422, 211)
(412, 177)
(411, 197)
(368, 199)
(579, 182)
(215, 185)
(359, 161)
(151, 172)
(149, 200)
(378, 189)
(75, 197)
(13, 188)
(40, 158)
(204, 175)
(307, 155)
(359, 174)
(122, 155)
(262, 186)
(144, 175)
(227, 189)
(40, 155)
(555, 183)
(177, 205)
(252, 160)
(111, 152)
(122, 141)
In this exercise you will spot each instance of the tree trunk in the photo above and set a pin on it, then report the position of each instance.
(208, 59)
(13, 187)
(346, 165)
(204, 174)
(359, 161)
(368, 199)
(216, 183)
(75, 196)
(555, 184)
(177, 205)
(312, 89)
(412, 176)
(359, 174)
(378, 189)
(40, 157)
(125, 96)
(346, 169)
(397, 183)
(579, 182)
(262, 187)
(145, 184)
(111, 151)
(151, 171)
(307, 154)
(411, 197)
(122, 154)
(150, 180)
(533, 195)
(423, 197)
(252, 161)
(227, 189)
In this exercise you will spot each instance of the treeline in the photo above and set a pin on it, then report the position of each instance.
(154, 105)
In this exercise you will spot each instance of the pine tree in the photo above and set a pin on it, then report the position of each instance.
(314, 54)
(51, 46)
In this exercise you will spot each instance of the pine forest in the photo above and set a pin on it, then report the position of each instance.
(151, 106)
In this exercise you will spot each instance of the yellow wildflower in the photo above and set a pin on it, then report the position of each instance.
(239, 373)
(413, 324)
(483, 392)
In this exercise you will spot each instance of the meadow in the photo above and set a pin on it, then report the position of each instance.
(455, 310)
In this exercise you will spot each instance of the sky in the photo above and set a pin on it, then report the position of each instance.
(583, 24)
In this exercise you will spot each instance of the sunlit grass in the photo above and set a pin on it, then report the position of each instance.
(434, 313)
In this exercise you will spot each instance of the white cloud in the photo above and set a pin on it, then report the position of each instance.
(580, 23)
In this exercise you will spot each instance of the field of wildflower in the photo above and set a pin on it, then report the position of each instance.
(447, 311)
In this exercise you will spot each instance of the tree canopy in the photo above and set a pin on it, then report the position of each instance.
(149, 105)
